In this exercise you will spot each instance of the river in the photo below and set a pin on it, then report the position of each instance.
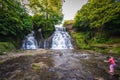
(56, 65)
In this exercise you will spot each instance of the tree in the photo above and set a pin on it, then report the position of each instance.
(99, 15)
(49, 13)
(15, 23)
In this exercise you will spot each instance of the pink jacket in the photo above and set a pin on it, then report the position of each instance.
(111, 60)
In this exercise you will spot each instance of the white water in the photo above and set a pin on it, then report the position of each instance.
(30, 42)
(61, 39)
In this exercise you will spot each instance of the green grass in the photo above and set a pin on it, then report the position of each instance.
(35, 67)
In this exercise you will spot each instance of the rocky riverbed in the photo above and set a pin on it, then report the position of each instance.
(44, 64)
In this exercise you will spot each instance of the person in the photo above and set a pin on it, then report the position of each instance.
(111, 60)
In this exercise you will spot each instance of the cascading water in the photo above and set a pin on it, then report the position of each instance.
(30, 42)
(61, 39)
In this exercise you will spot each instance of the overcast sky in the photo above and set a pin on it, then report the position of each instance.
(70, 7)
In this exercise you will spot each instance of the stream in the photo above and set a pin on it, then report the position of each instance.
(57, 65)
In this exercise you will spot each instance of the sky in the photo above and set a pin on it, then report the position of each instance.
(70, 7)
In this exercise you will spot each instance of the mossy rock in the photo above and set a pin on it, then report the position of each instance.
(38, 66)
(6, 47)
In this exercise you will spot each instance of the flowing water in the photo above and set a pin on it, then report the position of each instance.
(61, 39)
(56, 65)
(30, 42)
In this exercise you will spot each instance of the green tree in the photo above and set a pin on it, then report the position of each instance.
(15, 23)
(100, 16)
(47, 13)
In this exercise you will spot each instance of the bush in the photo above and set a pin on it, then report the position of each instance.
(99, 38)
(6, 47)
(113, 40)
(81, 41)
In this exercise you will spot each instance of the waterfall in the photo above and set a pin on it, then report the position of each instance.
(30, 42)
(61, 39)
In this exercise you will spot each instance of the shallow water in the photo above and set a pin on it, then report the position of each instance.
(57, 65)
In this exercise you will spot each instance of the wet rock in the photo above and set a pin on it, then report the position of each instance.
(99, 78)
(55, 65)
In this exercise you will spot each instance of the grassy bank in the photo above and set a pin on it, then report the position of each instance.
(100, 44)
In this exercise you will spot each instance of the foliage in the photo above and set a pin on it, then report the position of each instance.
(113, 40)
(47, 13)
(81, 40)
(98, 43)
(99, 38)
(98, 21)
(15, 23)
(66, 22)
(100, 16)
(5, 47)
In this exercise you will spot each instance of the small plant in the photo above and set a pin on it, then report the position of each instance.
(35, 67)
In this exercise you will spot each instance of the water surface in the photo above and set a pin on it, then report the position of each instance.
(57, 65)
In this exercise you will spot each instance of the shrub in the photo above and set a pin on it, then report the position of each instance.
(6, 47)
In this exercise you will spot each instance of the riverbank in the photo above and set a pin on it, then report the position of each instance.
(82, 41)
